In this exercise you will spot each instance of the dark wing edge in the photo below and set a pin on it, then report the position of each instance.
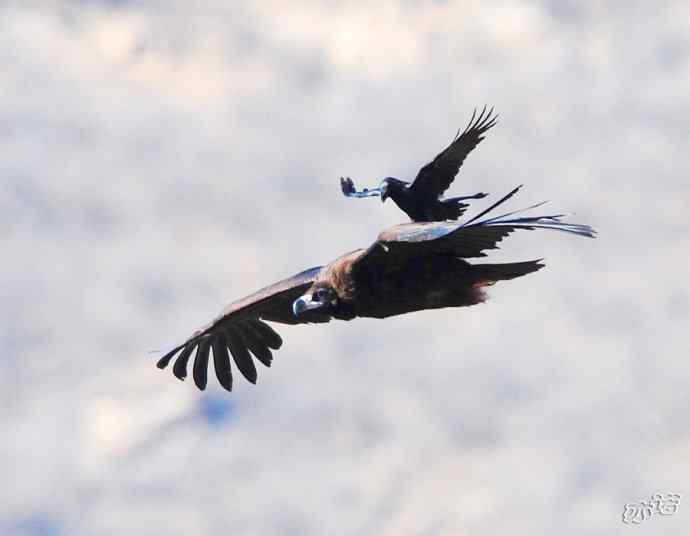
(470, 239)
(435, 177)
(240, 331)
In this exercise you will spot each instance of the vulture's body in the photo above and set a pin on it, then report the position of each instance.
(429, 282)
(410, 267)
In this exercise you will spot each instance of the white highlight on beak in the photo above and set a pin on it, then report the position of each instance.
(304, 303)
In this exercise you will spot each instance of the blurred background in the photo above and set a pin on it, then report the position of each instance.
(160, 159)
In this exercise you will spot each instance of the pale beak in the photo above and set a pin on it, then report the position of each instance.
(304, 303)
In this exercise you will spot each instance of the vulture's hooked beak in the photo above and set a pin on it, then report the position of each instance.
(304, 303)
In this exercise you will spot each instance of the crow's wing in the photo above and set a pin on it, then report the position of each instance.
(240, 331)
(397, 245)
(435, 178)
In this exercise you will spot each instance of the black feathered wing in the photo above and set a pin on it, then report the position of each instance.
(397, 245)
(435, 178)
(240, 331)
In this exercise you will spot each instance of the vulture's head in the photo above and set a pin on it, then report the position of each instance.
(321, 298)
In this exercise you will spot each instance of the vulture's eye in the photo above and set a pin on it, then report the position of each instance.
(321, 294)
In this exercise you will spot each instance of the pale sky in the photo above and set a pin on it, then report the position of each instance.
(159, 160)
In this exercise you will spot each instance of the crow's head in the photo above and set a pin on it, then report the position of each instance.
(390, 186)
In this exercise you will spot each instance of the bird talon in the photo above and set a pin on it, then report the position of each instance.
(347, 186)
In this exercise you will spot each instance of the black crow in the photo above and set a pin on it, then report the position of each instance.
(422, 200)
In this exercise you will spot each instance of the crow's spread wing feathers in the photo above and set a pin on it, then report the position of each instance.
(435, 177)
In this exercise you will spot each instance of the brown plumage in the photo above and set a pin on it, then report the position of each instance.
(410, 267)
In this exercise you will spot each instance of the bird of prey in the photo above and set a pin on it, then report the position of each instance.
(422, 200)
(410, 267)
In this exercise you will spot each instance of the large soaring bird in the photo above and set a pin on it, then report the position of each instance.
(410, 267)
(422, 200)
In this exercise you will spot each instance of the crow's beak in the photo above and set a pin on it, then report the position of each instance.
(383, 189)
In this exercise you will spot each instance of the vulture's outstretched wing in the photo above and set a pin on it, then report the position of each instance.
(240, 331)
(397, 245)
(435, 178)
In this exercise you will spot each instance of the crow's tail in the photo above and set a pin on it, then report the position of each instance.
(451, 209)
